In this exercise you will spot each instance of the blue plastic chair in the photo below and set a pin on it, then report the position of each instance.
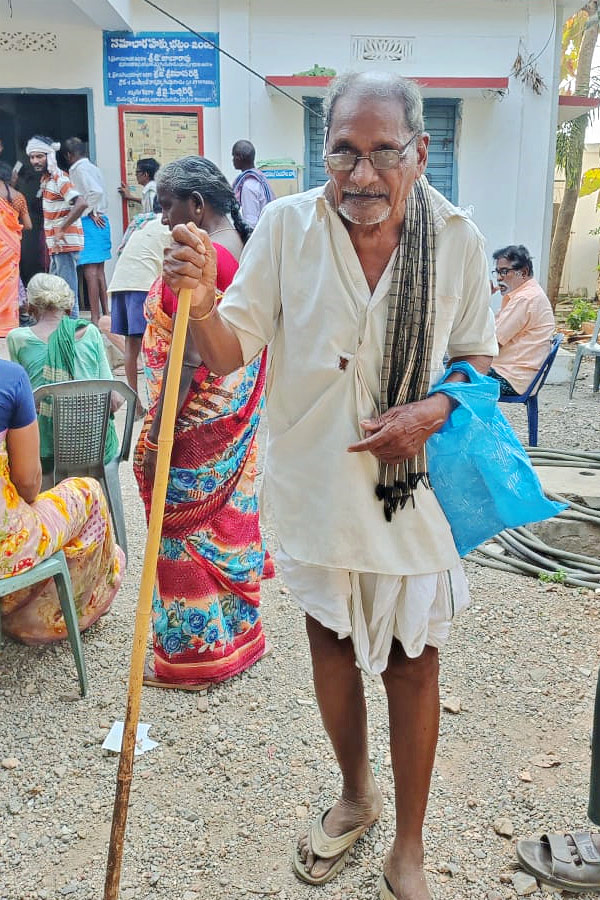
(55, 567)
(530, 396)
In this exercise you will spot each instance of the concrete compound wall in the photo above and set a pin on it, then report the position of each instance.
(505, 146)
(580, 274)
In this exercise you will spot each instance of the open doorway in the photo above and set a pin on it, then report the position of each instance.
(57, 114)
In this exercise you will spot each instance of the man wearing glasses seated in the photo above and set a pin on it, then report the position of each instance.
(524, 323)
(359, 288)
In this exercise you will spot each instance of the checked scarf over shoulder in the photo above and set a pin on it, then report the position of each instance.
(405, 372)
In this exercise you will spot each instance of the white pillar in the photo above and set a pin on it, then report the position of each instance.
(535, 175)
(234, 37)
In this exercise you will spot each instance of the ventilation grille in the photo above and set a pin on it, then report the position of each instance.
(386, 49)
(28, 41)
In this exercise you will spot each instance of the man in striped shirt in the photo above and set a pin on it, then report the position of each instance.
(62, 207)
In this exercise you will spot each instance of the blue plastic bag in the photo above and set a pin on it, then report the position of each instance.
(480, 472)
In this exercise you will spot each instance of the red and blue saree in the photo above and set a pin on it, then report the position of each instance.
(206, 618)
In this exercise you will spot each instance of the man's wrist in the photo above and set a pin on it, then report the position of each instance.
(442, 404)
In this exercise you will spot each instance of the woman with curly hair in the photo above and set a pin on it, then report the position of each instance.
(206, 619)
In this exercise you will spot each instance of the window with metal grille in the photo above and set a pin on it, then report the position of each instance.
(440, 122)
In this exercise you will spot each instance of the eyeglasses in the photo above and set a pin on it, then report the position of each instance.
(502, 273)
(379, 159)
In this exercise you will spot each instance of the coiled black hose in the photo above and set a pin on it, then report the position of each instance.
(522, 552)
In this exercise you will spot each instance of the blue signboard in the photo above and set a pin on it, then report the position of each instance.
(160, 69)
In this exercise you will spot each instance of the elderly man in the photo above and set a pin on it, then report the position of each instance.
(524, 323)
(359, 288)
(62, 207)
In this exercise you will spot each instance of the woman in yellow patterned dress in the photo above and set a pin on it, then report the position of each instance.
(72, 516)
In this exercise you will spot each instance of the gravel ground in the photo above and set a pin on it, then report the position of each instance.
(216, 808)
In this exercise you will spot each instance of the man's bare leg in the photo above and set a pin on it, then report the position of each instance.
(90, 273)
(341, 699)
(133, 344)
(414, 710)
(102, 290)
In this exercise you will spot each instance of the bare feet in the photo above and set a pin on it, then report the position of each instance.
(344, 816)
(403, 870)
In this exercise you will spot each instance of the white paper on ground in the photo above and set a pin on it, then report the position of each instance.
(143, 743)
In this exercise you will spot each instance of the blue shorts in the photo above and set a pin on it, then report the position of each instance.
(127, 313)
(96, 242)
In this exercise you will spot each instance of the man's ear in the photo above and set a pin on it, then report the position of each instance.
(422, 151)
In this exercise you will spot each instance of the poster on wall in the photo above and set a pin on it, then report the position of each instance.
(160, 69)
(164, 134)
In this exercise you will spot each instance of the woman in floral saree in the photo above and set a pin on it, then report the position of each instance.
(206, 619)
(72, 516)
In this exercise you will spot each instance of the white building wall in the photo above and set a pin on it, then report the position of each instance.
(504, 145)
(580, 273)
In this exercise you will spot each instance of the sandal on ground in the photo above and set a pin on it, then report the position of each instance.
(574, 868)
(325, 847)
(151, 679)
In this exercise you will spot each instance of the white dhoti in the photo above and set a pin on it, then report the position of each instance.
(372, 609)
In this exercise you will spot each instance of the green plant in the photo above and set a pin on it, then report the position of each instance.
(317, 71)
(582, 311)
(558, 577)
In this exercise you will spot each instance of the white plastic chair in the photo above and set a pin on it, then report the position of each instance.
(592, 348)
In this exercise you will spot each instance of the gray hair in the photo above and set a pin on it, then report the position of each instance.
(49, 292)
(382, 85)
(196, 174)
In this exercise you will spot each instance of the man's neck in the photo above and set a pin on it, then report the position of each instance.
(386, 234)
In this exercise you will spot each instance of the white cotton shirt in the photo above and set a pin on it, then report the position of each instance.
(253, 200)
(148, 195)
(89, 182)
(142, 257)
(301, 289)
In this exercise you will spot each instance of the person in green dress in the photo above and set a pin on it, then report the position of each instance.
(58, 348)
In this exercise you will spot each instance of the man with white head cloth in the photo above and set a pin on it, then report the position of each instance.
(360, 288)
(62, 207)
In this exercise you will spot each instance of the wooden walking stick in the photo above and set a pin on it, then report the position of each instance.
(144, 606)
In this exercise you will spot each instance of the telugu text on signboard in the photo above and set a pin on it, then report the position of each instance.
(160, 69)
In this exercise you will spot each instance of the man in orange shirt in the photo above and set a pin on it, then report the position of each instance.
(524, 323)
(62, 207)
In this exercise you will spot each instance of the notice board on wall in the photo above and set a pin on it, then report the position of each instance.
(164, 133)
(160, 69)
